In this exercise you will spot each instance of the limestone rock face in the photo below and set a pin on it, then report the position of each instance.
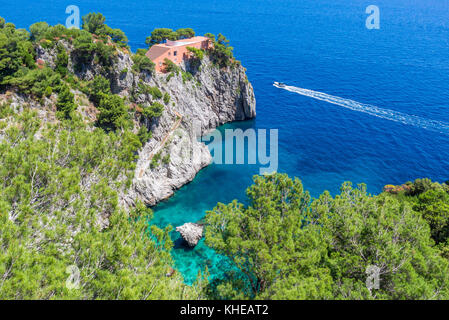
(191, 233)
(213, 97)
(173, 156)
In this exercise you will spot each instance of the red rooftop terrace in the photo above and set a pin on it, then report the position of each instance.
(176, 51)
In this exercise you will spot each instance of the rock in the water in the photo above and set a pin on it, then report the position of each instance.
(191, 233)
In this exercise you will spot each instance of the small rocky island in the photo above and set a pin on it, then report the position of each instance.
(191, 233)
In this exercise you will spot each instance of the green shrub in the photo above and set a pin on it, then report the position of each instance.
(16, 53)
(65, 104)
(166, 159)
(166, 98)
(197, 53)
(221, 52)
(87, 50)
(170, 66)
(5, 110)
(38, 30)
(155, 92)
(113, 112)
(160, 35)
(95, 23)
(48, 91)
(62, 61)
(144, 134)
(186, 76)
(99, 87)
(155, 110)
(155, 160)
(142, 63)
(35, 81)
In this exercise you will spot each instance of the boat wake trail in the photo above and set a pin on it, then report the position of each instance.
(432, 125)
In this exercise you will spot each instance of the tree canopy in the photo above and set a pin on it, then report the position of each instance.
(95, 24)
(286, 246)
(59, 213)
(160, 35)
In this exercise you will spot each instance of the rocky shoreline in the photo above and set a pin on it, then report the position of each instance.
(215, 97)
(211, 97)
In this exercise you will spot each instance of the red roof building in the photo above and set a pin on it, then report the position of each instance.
(176, 51)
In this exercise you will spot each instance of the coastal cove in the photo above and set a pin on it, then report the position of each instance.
(318, 45)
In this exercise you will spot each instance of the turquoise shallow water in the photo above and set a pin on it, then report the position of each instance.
(321, 45)
(190, 203)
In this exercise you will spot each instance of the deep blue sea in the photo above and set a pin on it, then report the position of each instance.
(322, 45)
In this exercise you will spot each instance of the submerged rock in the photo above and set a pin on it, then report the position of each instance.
(191, 233)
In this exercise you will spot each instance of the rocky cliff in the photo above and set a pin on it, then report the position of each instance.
(209, 97)
(214, 97)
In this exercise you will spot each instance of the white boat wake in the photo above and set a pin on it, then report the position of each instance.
(433, 125)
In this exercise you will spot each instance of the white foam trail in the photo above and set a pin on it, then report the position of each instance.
(433, 125)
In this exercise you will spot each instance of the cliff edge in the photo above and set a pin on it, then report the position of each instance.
(213, 97)
(202, 95)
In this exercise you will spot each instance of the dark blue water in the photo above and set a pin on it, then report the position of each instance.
(321, 45)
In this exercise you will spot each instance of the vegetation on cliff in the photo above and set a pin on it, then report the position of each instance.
(61, 181)
(59, 208)
(62, 178)
(287, 246)
(220, 53)
(160, 35)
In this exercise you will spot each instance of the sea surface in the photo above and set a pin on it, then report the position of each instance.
(384, 110)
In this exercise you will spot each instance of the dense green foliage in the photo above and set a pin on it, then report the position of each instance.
(18, 67)
(59, 209)
(35, 81)
(98, 88)
(197, 53)
(16, 54)
(144, 134)
(166, 97)
(142, 63)
(87, 51)
(221, 52)
(113, 112)
(155, 110)
(62, 61)
(286, 246)
(65, 103)
(431, 201)
(162, 34)
(95, 24)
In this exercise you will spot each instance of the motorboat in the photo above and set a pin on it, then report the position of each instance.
(279, 84)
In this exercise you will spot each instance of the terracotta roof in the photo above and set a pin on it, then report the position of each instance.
(156, 51)
(159, 49)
